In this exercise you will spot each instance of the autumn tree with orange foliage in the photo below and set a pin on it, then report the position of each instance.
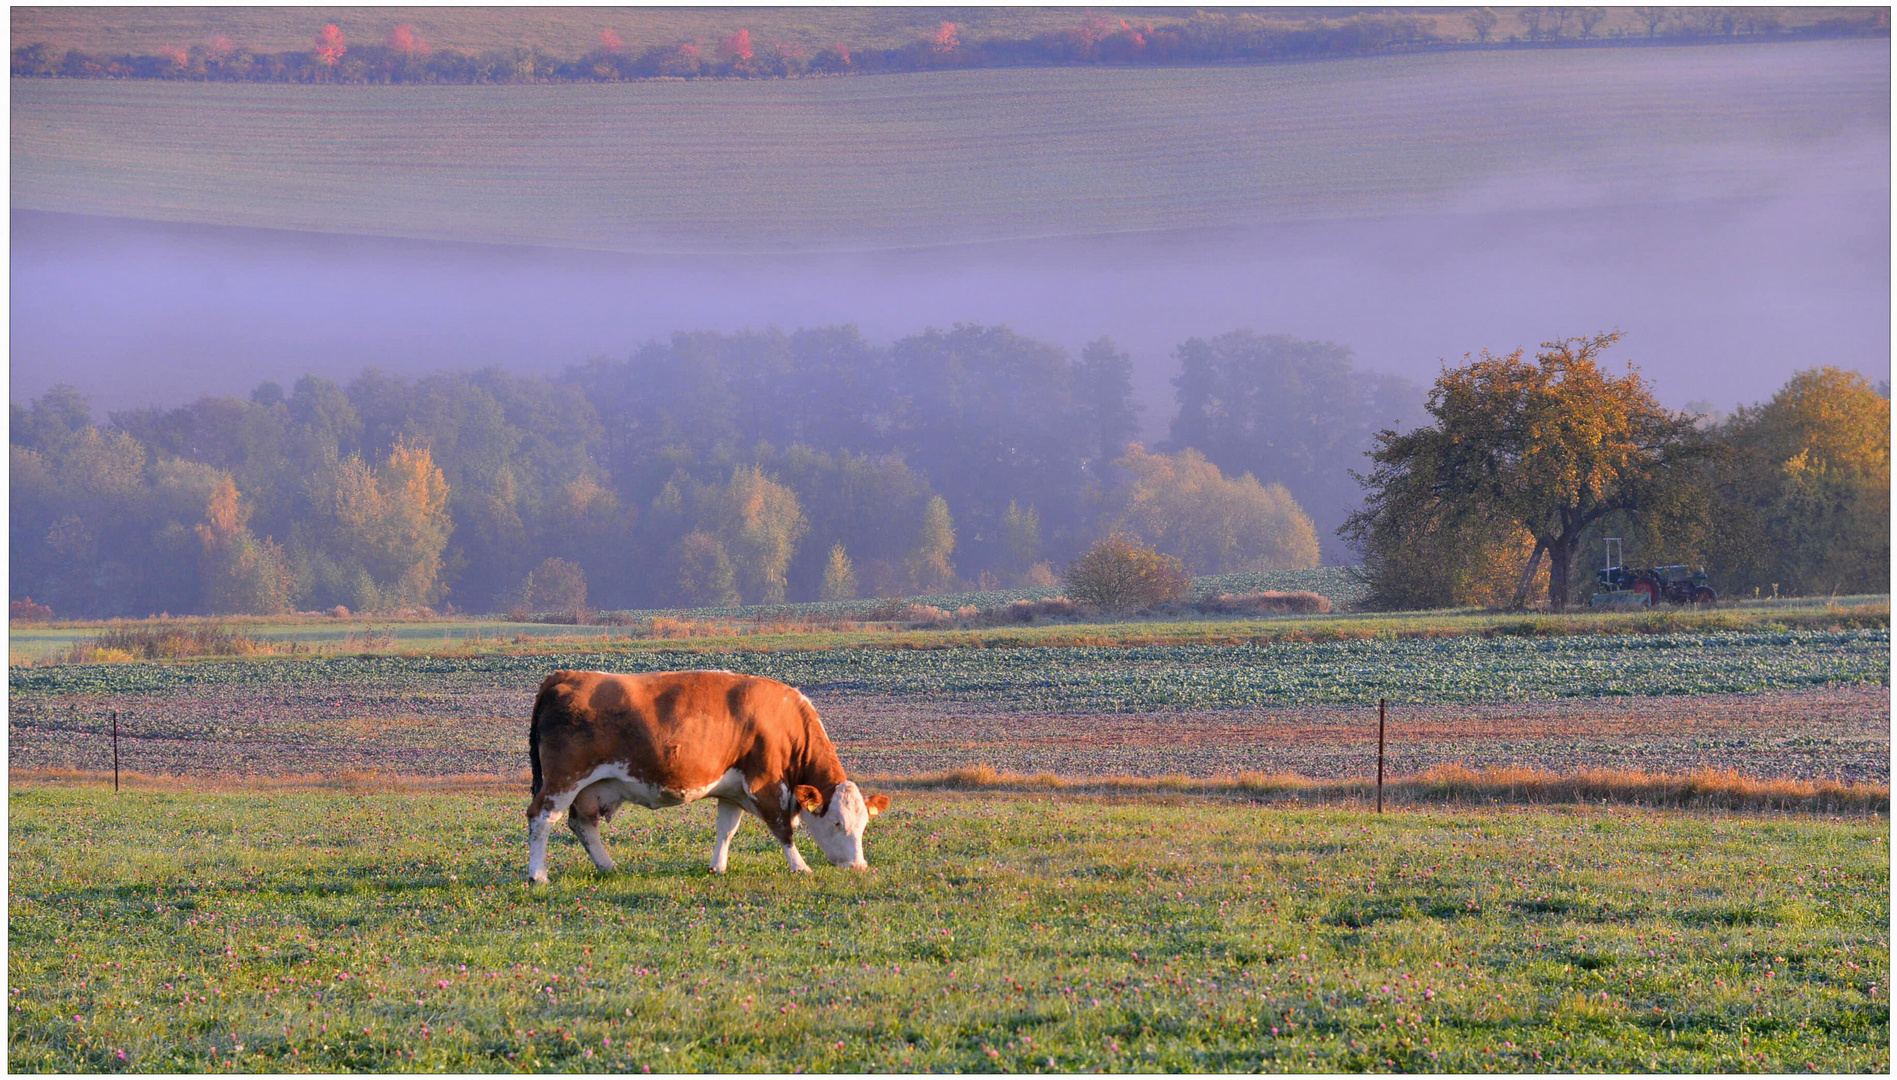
(1804, 498)
(241, 574)
(387, 528)
(1543, 448)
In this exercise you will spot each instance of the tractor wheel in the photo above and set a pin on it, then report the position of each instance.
(1648, 592)
(1704, 596)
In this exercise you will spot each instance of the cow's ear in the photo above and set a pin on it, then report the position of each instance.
(877, 804)
(809, 798)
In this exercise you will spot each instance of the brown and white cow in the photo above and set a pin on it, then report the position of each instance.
(665, 739)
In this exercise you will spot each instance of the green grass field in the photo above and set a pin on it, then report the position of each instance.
(322, 931)
(943, 158)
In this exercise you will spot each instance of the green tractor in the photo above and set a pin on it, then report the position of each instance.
(1629, 587)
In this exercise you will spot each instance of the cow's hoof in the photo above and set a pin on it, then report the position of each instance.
(537, 879)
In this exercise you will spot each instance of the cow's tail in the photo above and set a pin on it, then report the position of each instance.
(533, 747)
(542, 702)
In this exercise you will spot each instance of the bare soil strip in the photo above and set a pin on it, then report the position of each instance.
(1837, 734)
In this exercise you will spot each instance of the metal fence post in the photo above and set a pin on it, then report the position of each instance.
(115, 751)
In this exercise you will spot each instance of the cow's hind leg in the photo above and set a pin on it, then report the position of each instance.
(729, 817)
(593, 804)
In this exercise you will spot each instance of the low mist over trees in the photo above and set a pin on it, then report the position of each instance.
(1289, 411)
(764, 466)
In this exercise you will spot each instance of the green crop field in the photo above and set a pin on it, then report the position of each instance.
(218, 931)
(941, 158)
(1126, 679)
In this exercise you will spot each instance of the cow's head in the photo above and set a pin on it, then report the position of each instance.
(838, 827)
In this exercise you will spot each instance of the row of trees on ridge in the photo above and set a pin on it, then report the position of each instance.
(404, 56)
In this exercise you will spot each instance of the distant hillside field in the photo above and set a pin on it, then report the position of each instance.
(561, 30)
(574, 30)
(949, 157)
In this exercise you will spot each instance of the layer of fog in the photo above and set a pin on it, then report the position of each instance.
(1720, 299)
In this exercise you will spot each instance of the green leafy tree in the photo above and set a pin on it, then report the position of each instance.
(839, 576)
(556, 586)
(1549, 446)
(1183, 505)
(1288, 411)
(760, 523)
(387, 529)
(1024, 535)
(241, 574)
(929, 567)
(700, 573)
(1804, 498)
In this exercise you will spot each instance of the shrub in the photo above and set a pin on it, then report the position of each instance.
(158, 641)
(925, 616)
(1026, 611)
(1121, 574)
(1265, 603)
(27, 609)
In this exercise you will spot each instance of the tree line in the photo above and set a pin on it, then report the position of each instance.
(403, 56)
(764, 466)
(703, 469)
(1528, 464)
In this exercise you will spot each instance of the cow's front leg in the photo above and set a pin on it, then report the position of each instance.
(783, 825)
(538, 828)
(730, 815)
(795, 860)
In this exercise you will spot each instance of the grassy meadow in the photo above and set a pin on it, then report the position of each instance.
(937, 158)
(225, 930)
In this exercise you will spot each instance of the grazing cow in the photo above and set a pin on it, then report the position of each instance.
(599, 740)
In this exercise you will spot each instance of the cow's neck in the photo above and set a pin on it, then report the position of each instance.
(820, 767)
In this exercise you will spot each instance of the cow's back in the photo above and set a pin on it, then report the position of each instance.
(674, 730)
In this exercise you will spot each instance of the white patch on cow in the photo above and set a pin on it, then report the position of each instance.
(537, 831)
(839, 830)
(795, 860)
(633, 789)
(785, 799)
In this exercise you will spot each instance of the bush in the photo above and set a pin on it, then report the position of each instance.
(1026, 611)
(925, 616)
(27, 609)
(162, 641)
(1121, 574)
(1265, 603)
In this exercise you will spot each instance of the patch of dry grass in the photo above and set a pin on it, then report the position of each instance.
(1452, 784)
(1443, 784)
